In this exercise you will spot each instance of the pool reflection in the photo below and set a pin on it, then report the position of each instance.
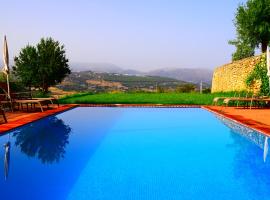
(46, 139)
(6, 159)
(250, 164)
(253, 136)
(48, 155)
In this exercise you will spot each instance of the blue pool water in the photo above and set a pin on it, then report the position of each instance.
(134, 153)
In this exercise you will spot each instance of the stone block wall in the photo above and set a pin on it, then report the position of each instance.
(232, 77)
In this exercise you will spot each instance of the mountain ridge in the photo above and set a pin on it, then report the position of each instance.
(193, 75)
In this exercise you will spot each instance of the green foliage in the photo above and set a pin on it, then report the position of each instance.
(26, 65)
(206, 91)
(243, 49)
(146, 98)
(15, 85)
(260, 73)
(252, 22)
(40, 94)
(81, 81)
(186, 88)
(42, 66)
(160, 89)
(78, 95)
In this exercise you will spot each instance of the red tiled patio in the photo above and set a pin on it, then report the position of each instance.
(258, 119)
(20, 118)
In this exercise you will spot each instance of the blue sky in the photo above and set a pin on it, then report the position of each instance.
(137, 34)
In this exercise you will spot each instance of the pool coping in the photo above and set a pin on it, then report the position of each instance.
(9, 126)
(141, 105)
(234, 119)
(65, 107)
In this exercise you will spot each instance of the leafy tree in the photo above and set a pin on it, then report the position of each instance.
(160, 89)
(252, 22)
(42, 66)
(186, 88)
(206, 91)
(243, 49)
(26, 65)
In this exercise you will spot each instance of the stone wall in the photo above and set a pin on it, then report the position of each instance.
(232, 77)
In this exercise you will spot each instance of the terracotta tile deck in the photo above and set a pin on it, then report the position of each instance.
(258, 119)
(20, 118)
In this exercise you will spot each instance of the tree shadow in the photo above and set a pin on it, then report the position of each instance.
(45, 139)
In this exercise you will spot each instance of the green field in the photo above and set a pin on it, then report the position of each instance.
(143, 98)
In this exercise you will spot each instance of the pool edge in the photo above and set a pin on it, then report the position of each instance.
(234, 119)
(65, 107)
(141, 105)
(37, 116)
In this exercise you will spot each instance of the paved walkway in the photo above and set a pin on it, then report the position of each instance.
(20, 118)
(258, 119)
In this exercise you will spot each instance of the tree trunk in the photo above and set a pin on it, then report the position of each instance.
(45, 89)
(264, 46)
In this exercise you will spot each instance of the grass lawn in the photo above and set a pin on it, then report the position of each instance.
(143, 98)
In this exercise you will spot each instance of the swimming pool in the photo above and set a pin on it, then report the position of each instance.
(134, 153)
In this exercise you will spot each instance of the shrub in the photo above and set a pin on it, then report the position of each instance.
(186, 88)
(206, 91)
(260, 73)
(160, 89)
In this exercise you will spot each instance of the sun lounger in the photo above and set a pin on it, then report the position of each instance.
(50, 99)
(217, 99)
(238, 99)
(2, 112)
(6, 102)
(31, 102)
(28, 95)
(227, 100)
(25, 98)
(249, 100)
(262, 100)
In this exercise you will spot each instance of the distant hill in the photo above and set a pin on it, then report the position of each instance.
(184, 74)
(95, 67)
(102, 68)
(99, 82)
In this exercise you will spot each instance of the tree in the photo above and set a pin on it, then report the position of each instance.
(160, 89)
(186, 88)
(243, 49)
(26, 65)
(42, 66)
(252, 22)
